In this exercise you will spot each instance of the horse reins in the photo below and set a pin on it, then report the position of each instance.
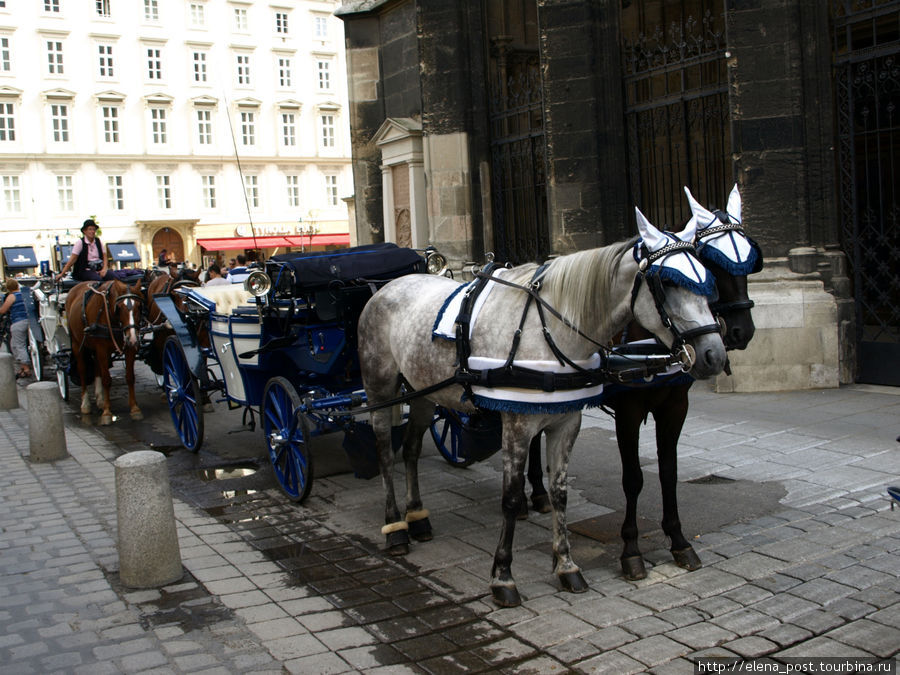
(104, 293)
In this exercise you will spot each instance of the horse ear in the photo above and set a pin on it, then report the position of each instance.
(689, 233)
(702, 215)
(734, 204)
(653, 239)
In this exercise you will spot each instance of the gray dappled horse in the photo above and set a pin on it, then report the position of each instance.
(656, 280)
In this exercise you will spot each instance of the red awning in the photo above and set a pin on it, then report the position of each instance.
(234, 243)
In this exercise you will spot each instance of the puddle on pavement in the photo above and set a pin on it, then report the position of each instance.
(711, 480)
(226, 472)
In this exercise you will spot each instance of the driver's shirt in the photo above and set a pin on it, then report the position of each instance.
(92, 255)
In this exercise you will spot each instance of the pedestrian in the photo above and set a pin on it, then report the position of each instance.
(15, 306)
(214, 276)
(88, 257)
(236, 275)
(163, 258)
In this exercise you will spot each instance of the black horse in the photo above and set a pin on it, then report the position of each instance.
(730, 255)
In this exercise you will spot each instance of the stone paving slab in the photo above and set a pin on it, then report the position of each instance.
(817, 576)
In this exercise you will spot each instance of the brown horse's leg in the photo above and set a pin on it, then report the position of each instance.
(136, 413)
(103, 365)
(669, 422)
(630, 409)
(80, 356)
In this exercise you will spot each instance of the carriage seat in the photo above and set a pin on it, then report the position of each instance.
(225, 299)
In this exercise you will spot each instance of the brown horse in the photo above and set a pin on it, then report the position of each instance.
(104, 319)
(164, 284)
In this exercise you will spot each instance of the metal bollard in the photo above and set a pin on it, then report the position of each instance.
(9, 396)
(149, 555)
(46, 432)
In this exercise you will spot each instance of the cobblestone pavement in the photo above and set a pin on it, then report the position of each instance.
(801, 557)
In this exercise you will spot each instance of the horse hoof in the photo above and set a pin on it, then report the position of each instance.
(687, 558)
(420, 530)
(85, 411)
(573, 582)
(397, 542)
(523, 511)
(633, 568)
(506, 596)
(137, 415)
(105, 420)
(541, 503)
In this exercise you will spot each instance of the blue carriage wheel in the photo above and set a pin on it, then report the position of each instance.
(183, 395)
(446, 430)
(35, 355)
(287, 434)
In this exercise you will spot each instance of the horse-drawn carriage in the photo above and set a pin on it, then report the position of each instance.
(282, 346)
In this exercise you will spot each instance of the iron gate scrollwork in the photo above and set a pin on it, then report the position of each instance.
(518, 176)
(867, 72)
(676, 106)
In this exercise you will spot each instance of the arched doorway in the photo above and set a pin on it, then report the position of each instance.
(171, 240)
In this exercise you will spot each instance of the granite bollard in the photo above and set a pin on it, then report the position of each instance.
(9, 397)
(46, 432)
(149, 555)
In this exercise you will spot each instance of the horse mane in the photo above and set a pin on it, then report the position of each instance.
(578, 283)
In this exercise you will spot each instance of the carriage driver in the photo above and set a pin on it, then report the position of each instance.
(88, 255)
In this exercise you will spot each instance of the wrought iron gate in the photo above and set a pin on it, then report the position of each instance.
(867, 71)
(518, 177)
(676, 106)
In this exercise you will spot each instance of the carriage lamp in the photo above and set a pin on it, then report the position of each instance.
(435, 263)
(258, 284)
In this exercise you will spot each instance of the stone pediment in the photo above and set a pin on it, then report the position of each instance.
(395, 129)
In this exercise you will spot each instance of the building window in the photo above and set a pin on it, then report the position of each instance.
(331, 189)
(51, 6)
(105, 55)
(326, 123)
(65, 193)
(116, 193)
(59, 120)
(5, 59)
(248, 127)
(323, 69)
(154, 63)
(293, 191)
(164, 192)
(158, 125)
(243, 69)
(241, 23)
(281, 22)
(111, 123)
(103, 8)
(151, 10)
(198, 14)
(320, 27)
(54, 57)
(199, 66)
(204, 127)
(209, 191)
(12, 194)
(284, 72)
(251, 185)
(7, 122)
(288, 129)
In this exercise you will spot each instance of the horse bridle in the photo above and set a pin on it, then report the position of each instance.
(724, 225)
(654, 283)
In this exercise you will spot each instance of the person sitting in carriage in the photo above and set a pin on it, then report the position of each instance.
(88, 257)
